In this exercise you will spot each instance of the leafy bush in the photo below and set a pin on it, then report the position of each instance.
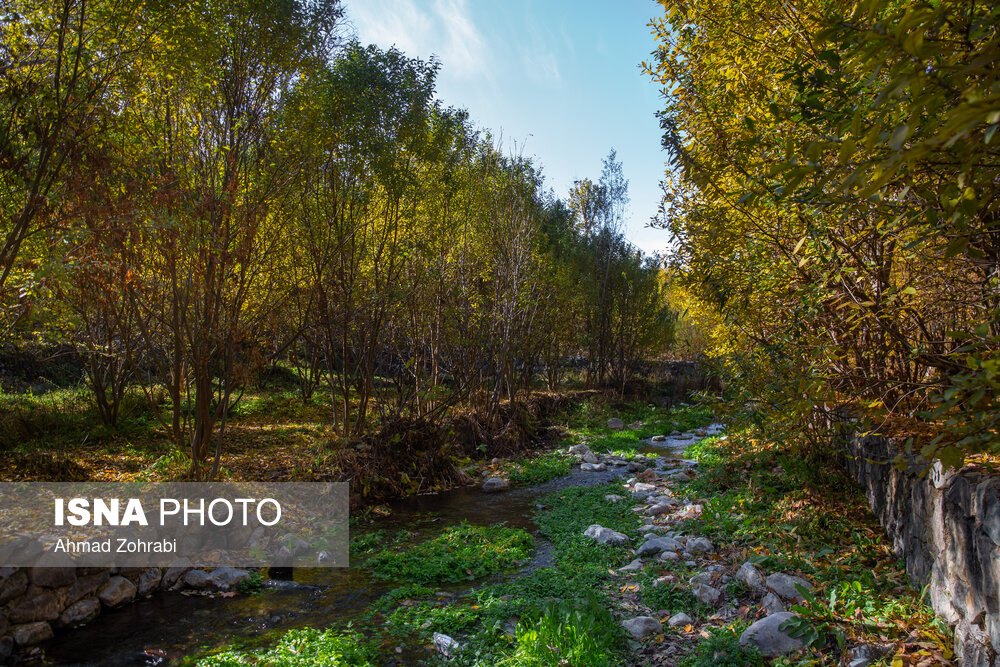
(722, 649)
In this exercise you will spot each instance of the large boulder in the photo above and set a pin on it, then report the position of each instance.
(149, 580)
(117, 591)
(641, 626)
(767, 635)
(86, 585)
(197, 579)
(13, 585)
(607, 536)
(495, 484)
(175, 572)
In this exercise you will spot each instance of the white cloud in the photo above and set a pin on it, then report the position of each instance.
(443, 28)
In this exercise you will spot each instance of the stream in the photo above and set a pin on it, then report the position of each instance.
(170, 625)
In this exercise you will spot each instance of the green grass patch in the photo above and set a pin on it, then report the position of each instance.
(540, 469)
(460, 553)
(307, 646)
(585, 635)
(722, 649)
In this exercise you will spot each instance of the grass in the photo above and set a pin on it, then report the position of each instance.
(556, 635)
(530, 471)
(460, 553)
(722, 649)
(307, 646)
(766, 503)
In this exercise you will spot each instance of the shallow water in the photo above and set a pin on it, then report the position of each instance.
(171, 625)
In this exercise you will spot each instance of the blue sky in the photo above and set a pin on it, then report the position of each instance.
(560, 79)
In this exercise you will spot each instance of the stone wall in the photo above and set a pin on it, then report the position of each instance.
(946, 526)
(37, 602)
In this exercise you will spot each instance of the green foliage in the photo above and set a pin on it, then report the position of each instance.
(539, 469)
(307, 646)
(558, 635)
(722, 649)
(460, 553)
(252, 584)
(834, 175)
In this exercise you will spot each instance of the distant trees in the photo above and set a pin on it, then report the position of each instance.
(197, 192)
(836, 197)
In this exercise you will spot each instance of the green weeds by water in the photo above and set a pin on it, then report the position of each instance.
(460, 553)
(307, 646)
(531, 471)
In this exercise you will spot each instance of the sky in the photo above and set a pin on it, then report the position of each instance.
(558, 80)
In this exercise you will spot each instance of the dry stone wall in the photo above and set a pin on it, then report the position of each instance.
(946, 526)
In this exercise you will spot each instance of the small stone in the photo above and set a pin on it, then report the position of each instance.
(772, 604)
(668, 556)
(769, 639)
(657, 510)
(634, 566)
(699, 545)
(642, 487)
(658, 438)
(634, 466)
(642, 626)
(495, 484)
(614, 498)
(680, 620)
(590, 457)
(701, 578)
(707, 594)
(117, 591)
(751, 576)
(604, 535)
(580, 450)
(690, 563)
(616, 424)
(658, 544)
(593, 467)
(32, 633)
(783, 585)
(445, 645)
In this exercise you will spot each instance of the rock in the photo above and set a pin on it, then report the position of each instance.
(580, 450)
(690, 563)
(604, 535)
(296, 544)
(175, 572)
(495, 485)
(593, 467)
(117, 591)
(81, 612)
(674, 434)
(634, 466)
(699, 545)
(634, 566)
(658, 544)
(52, 577)
(228, 578)
(616, 424)
(37, 604)
(667, 556)
(657, 510)
(647, 475)
(642, 487)
(32, 633)
(635, 426)
(86, 585)
(590, 457)
(767, 636)
(13, 586)
(707, 594)
(641, 626)
(751, 576)
(772, 604)
(680, 620)
(197, 579)
(701, 578)
(658, 438)
(445, 645)
(149, 581)
(866, 654)
(6, 648)
(783, 585)
(614, 498)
